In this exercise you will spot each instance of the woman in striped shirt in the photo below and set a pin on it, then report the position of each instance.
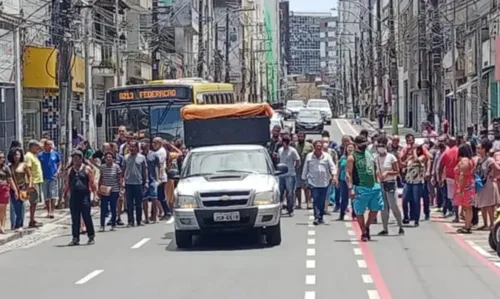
(110, 184)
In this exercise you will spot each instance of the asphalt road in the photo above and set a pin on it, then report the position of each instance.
(312, 262)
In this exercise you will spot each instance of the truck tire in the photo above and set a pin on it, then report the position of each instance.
(329, 122)
(273, 235)
(491, 241)
(495, 234)
(183, 239)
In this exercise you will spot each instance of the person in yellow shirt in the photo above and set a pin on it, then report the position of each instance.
(32, 162)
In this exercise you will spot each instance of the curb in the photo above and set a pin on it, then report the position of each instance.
(17, 235)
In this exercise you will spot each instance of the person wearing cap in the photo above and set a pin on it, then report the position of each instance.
(80, 185)
(124, 147)
(35, 168)
(363, 187)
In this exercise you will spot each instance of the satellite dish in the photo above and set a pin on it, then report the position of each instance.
(448, 59)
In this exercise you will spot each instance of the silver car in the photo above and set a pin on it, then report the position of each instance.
(323, 106)
(227, 188)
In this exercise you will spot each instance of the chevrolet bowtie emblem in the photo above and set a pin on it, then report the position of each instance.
(225, 197)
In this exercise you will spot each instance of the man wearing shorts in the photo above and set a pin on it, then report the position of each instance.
(36, 195)
(151, 193)
(449, 161)
(363, 187)
(51, 168)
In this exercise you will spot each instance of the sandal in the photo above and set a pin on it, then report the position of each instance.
(484, 227)
(463, 231)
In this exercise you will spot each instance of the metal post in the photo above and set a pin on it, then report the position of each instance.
(88, 107)
(228, 78)
(393, 71)
(19, 84)
(201, 50)
(217, 64)
(117, 44)
(454, 60)
(155, 41)
(479, 71)
(379, 53)
(243, 60)
(372, 109)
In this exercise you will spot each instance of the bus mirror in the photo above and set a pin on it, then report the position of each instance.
(98, 119)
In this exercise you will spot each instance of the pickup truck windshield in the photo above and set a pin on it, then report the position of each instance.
(318, 104)
(244, 161)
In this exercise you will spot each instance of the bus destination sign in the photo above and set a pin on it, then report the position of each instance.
(149, 94)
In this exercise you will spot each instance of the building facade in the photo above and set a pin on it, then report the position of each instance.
(305, 43)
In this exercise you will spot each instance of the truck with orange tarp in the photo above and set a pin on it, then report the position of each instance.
(227, 182)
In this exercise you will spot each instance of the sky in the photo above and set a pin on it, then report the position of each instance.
(312, 5)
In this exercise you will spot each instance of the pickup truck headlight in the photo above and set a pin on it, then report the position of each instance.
(186, 202)
(264, 198)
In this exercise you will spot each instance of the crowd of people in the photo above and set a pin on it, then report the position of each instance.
(126, 176)
(456, 175)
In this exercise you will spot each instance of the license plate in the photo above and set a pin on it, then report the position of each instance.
(226, 217)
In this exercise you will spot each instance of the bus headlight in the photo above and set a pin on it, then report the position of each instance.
(264, 198)
(186, 202)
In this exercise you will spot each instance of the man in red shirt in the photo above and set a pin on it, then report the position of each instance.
(447, 165)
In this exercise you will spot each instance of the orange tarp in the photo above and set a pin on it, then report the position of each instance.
(191, 112)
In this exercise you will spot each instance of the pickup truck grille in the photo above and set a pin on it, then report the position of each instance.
(225, 199)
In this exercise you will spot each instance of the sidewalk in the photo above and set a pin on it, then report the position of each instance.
(40, 217)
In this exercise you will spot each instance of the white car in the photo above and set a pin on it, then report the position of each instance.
(293, 107)
(323, 106)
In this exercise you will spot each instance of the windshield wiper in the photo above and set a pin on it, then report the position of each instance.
(235, 170)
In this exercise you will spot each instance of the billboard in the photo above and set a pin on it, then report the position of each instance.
(6, 56)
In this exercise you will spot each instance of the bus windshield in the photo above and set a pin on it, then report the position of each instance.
(147, 121)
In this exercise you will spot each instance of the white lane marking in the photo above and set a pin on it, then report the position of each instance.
(140, 243)
(310, 279)
(367, 278)
(311, 252)
(348, 224)
(311, 233)
(89, 276)
(351, 233)
(351, 128)
(479, 249)
(311, 224)
(373, 294)
(362, 264)
(310, 264)
(310, 295)
(357, 251)
(497, 264)
(311, 241)
(311, 217)
(170, 221)
(340, 128)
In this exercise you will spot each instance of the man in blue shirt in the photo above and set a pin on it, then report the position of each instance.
(51, 168)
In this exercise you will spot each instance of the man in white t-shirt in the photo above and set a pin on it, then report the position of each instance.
(162, 154)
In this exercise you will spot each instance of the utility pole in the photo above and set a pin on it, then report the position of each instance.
(228, 78)
(372, 109)
(155, 54)
(243, 59)
(437, 61)
(201, 48)
(217, 62)
(380, 72)
(19, 84)
(117, 44)
(65, 48)
(393, 71)
(479, 71)
(351, 79)
(87, 104)
(252, 72)
(356, 74)
(454, 64)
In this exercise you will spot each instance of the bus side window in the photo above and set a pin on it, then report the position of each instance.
(231, 98)
(224, 98)
(219, 98)
(208, 99)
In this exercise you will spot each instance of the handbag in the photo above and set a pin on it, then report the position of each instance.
(104, 190)
(478, 183)
(23, 195)
(389, 186)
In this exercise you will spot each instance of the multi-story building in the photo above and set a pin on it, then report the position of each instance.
(331, 70)
(305, 42)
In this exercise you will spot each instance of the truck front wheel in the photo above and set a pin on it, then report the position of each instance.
(183, 239)
(273, 235)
